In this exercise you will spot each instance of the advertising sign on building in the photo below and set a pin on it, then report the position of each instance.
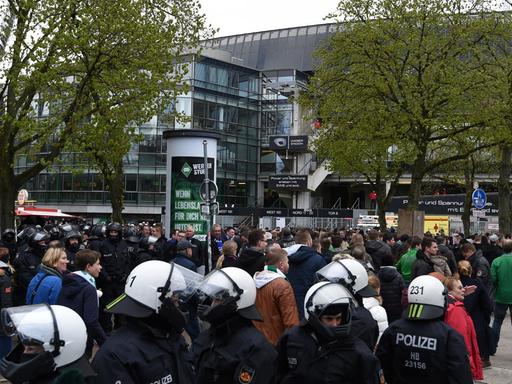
(288, 182)
(187, 176)
(445, 204)
(290, 143)
(437, 224)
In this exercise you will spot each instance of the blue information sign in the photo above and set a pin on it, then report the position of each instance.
(479, 198)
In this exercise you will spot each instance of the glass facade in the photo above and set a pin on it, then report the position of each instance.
(223, 97)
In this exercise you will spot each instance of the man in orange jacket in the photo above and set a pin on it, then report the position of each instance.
(275, 299)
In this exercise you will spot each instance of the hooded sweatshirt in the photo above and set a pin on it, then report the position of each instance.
(275, 302)
(81, 296)
(304, 263)
(251, 260)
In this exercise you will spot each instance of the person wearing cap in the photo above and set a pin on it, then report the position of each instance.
(232, 350)
(184, 255)
(421, 348)
(321, 349)
(490, 248)
(150, 347)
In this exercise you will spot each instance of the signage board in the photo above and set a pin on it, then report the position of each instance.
(289, 143)
(444, 204)
(22, 196)
(187, 177)
(288, 182)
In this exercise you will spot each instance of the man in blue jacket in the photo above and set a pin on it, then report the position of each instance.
(79, 293)
(304, 261)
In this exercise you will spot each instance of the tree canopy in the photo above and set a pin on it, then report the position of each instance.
(396, 83)
(72, 67)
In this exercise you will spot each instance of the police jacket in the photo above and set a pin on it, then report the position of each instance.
(481, 269)
(423, 352)
(234, 352)
(115, 260)
(304, 359)
(140, 354)
(26, 267)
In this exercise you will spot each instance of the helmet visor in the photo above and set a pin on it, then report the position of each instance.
(34, 324)
(186, 284)
(336, 272)
(217, 285)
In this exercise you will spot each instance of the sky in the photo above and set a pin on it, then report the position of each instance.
(241, 16)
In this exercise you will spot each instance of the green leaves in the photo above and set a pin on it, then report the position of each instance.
(397, 83)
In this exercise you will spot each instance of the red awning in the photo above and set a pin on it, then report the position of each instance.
(47, 212)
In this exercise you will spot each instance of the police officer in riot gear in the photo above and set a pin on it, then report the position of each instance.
(421, 348)
(96, 237)
(146, 251)
(51, 346)
(116, 267)
(353, 276)
(131, 236)
(149, 348)
(321, 348)
(27, 263)
(73, 243)
(9, 241)
(232, 350)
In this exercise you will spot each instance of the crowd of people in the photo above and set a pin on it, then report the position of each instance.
(126, 304)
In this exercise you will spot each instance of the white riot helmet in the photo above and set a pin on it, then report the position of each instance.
(149, 284)
(230, 290)
(351, 274)
(328, 299)
(59, 330)
(427, 298)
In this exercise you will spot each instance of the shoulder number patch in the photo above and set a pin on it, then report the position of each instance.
(246, 375)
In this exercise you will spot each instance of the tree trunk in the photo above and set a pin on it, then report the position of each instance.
(116, 186)
(417, 175)
(469, 177)
(504, 189)
(8, 192)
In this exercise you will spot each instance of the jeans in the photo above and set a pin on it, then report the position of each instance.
(500, 310)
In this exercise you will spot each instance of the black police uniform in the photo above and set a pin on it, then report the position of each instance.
(138, 353)
(94, 244)
(423, 352)
(304, 359)
(26, 267)
(116, 268)
(234, 352)
(364, 326)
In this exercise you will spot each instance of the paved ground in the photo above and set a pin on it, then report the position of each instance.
(501, 370)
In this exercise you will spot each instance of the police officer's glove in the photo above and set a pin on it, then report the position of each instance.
(170, 313)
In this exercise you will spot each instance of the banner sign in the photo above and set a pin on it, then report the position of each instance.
(287, 212)
(445, 204)
(187, 176)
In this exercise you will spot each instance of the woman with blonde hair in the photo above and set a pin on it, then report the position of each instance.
(46, 285)
(479, 306)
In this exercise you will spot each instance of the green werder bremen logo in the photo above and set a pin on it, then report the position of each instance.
(186, 169)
